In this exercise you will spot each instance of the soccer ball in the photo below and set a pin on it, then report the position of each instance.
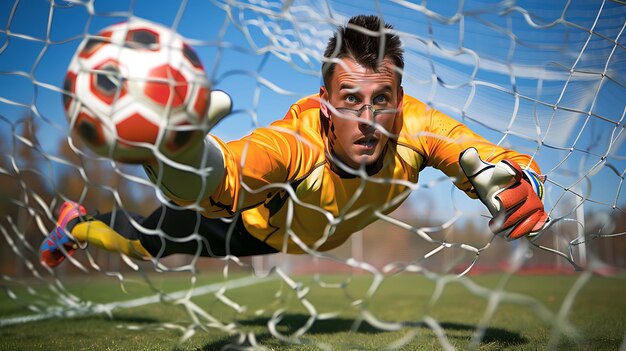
(135, 88)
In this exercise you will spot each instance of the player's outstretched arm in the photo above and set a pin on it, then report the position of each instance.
(197, 171)
(513, 196)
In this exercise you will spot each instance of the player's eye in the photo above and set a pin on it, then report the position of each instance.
(351, 99)
(380, 100)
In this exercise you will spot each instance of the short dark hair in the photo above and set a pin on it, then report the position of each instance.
(365, 48)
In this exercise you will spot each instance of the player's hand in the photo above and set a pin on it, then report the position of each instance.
(516, 208)
(196, 171)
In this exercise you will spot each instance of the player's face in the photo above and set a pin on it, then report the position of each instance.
(364, 106)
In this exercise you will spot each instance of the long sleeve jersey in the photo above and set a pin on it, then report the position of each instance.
(280, 179)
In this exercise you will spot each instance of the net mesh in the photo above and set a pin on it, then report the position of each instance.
(544, 80)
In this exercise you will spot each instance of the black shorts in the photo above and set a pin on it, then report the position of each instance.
(170, 231)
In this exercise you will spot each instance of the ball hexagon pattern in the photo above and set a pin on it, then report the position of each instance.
(136, 89)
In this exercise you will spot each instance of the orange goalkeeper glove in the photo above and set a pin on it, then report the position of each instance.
(513, 196)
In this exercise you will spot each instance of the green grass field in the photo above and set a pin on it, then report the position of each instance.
(597, 314)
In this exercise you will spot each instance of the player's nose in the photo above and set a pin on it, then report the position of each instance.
(367, 115)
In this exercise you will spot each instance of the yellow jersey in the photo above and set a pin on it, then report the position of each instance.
(290, 195)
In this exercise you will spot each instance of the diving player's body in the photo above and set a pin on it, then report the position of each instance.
(318, 175)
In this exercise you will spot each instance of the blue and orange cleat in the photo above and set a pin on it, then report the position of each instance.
(50, 253)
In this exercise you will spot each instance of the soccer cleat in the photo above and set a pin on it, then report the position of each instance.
(50, 253)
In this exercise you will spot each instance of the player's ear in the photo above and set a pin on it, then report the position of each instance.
(400, 98)
(324, 101)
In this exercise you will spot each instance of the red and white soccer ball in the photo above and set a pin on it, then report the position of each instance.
(134, 88)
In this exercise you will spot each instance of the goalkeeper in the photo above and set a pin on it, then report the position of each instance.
(311, 179)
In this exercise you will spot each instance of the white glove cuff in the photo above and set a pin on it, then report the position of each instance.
(535, 181)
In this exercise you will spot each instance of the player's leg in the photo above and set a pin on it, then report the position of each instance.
(182, 231)
(169, 230)
(165, 232)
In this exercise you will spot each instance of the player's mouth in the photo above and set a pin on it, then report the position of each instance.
(368, 143)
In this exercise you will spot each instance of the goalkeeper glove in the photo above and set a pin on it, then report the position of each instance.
(205, 157)
(512, 196)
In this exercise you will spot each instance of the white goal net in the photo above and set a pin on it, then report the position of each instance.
(546, 78)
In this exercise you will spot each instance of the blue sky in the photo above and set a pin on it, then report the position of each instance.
(484, 55)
